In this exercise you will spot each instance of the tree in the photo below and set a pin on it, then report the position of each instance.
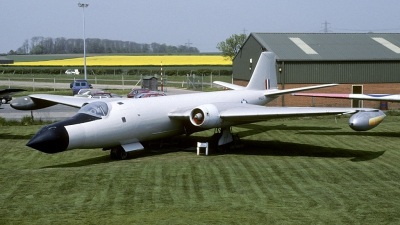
(41, 45)
(231, 46)
(38, 50)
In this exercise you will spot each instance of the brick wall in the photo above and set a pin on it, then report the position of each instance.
(382, 88)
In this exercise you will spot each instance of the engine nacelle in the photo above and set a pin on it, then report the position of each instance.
(366, 120)
(205, 116)
(26, 103)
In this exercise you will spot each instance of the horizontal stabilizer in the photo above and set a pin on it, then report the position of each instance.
(10, 91)
(293, 90)
(228, 85)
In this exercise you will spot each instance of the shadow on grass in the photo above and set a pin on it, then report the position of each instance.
(277, 148)
(354, 133)
(14, 136)
(262, 148)
(85, 162)
(256, 129)
(107, 159)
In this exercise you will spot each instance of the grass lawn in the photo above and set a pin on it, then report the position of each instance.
(297, 171)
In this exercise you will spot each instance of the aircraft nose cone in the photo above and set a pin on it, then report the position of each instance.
(50, 139)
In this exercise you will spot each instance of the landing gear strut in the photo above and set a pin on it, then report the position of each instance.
(225, 140)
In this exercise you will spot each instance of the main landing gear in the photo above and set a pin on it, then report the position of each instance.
(118, 153)
(223, 140)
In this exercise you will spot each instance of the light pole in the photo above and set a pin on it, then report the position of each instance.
(83, 5)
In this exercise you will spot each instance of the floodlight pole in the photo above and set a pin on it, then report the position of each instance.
(83, 5)
(162, 84)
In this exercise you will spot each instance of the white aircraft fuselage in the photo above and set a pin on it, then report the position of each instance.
(147, 119)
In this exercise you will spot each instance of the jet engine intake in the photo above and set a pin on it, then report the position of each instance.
(205, 116)
(366, 120)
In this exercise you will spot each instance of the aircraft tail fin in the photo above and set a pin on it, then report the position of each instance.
(264, 75)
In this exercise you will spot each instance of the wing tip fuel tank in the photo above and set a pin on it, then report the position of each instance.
(366, 120)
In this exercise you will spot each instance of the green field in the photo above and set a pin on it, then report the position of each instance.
(297, 171)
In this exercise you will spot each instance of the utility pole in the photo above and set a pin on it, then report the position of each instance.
(83, 5)
(326, 30)
(188, 45)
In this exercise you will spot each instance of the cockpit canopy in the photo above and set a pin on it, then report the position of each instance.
(97, 109)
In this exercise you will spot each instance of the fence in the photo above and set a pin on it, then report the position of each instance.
(195, 82)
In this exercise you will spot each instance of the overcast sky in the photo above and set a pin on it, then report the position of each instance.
(202, 23)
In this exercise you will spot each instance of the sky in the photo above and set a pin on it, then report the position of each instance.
(202, 24)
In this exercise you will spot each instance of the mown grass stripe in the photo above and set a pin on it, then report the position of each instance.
(355, 181)
(265, 176)
(298, 183)
(222, 185)
(141, 193)
(325, 186)
(249, 179)
(235, 185)
(157, 185)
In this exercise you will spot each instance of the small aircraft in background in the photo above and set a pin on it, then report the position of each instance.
(371, 97)
(5, 94)
(122, 125)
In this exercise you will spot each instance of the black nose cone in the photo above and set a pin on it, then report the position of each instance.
(50, 139)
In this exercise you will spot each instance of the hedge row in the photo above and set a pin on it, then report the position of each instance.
(101, 71)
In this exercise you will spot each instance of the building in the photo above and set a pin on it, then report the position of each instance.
(360, 63)
(4, 60)
(150, 82)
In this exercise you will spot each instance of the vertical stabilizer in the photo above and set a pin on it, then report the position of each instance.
(264, 75)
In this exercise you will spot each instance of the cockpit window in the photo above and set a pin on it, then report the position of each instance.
(97, 109)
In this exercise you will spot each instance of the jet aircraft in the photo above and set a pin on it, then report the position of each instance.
(372, 97)
(123, 125)
(6, 93)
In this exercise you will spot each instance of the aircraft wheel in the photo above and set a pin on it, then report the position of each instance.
(113, 153)
(121, 154)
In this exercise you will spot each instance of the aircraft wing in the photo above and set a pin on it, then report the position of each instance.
(228, 85)
(38, 101)
(239, 112)
(249, 114)
(372, 97)
(10, 91)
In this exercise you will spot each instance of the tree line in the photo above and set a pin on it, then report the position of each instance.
(41, 45)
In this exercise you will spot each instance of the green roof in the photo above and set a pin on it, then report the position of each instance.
(331, 46)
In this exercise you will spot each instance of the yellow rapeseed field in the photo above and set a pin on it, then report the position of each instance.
(167, 60)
